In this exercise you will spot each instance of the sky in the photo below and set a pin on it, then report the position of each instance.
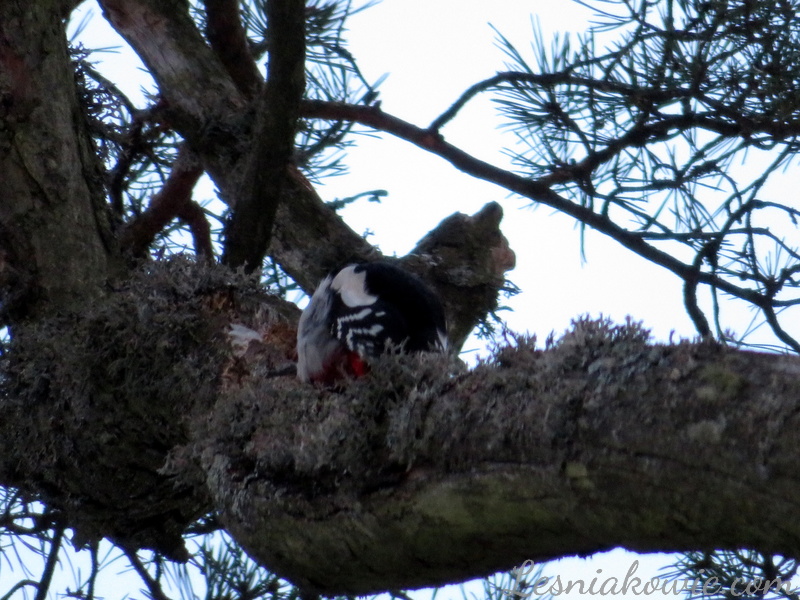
(432, 50)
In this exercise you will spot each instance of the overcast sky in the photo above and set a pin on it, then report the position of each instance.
(433, 51)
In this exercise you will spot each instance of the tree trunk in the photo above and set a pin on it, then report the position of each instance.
(54, 230)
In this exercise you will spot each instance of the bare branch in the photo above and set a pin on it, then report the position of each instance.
(18, 586)
(228, 39)
(173, 200)
(52, 559)
(134, 144)
(772, 319)
(193, 215)
(153, 586)
(250, 228)
(534, 189)
(94, 572)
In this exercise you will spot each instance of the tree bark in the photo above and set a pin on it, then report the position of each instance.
(54, 230)
(249, 231)
(420, 477)
(419, 474)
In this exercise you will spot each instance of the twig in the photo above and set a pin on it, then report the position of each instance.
(566, 77)
(132, 147)
(772, 319)
(152, 585)
(52, 559)
(94, 572)
(18, 586)
(693, 309)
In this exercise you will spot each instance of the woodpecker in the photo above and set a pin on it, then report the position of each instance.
(361, 312)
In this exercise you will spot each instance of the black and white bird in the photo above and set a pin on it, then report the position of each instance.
(362, 311)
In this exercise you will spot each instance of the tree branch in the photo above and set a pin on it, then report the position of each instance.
(310, 239)
(193, 215)
(228, 39)
(193, 82)
(465, 259)
(52, 560)
(638, 93)
(416, 475)
(173, 200)
(18, 586)
(538, 190)
(250, 228)
(153, 586)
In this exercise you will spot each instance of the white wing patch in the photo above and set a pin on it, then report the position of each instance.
(352, 287)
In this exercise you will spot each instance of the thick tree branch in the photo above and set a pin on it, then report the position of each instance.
(250, 228)
(411, 479)
(228, 39)
(416, 475)
(197, 89)
(200, 99)
(309, 239)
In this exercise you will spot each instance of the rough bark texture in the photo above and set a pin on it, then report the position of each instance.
(418, 475)
(53, 228)
(95, 401)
